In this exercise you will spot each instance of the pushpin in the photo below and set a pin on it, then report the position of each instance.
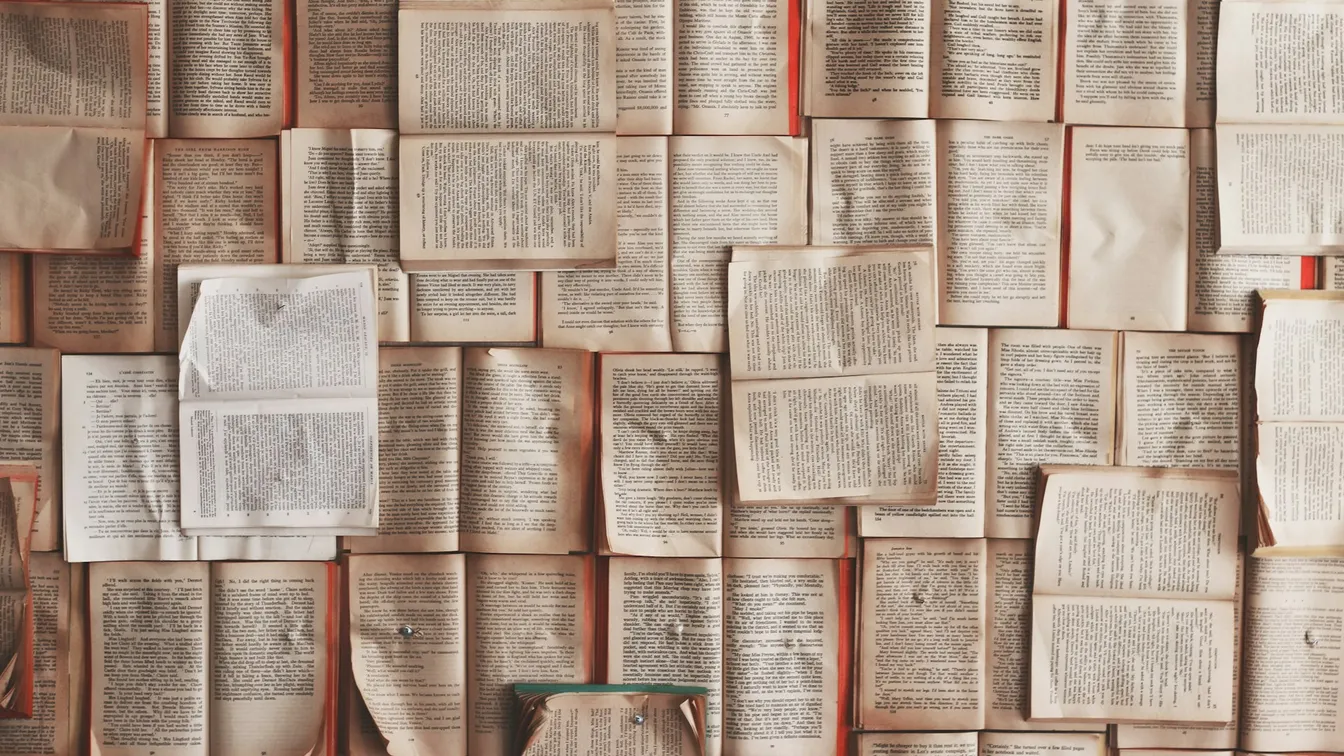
(790, 642)
(1310, 638)
(406, 631)
(917, 597)
(678, 629)
(638, 719)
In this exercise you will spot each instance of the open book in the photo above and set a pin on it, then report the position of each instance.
(574, 720)
(982, 744)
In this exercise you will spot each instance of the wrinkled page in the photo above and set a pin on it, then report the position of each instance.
(45, 732)
(1294, 76)
(30, 411)
(577, 724)
(1278, 192)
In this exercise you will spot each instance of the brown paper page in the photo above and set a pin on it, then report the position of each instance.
(346, 64)
(226, 68)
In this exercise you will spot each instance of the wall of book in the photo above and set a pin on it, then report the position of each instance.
(735, 377)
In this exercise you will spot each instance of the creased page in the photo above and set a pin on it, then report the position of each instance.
(781, 649)
(407, 649)
(471, 68)
(865, 64)
(661, 452)
(922, 638)
(644, 34)
(733, 69)
(825, 438)
(528, 621)
(1180, 401)
(1278, 192)
(120, 413)
(727, 191)
(918, 744)
(961, 360)
(226, 68)
(625, 309)
(1294, 75)
(813, 315)
(346, 67)
(149, 635)
(1126, 62)
(785, 530)
(30, 412)
(274, 615)
(1292, 678)
(45, 732)
(343, 194)
(419, 428)
(665, 627)
(491, 306)
(1129, 242)
(279, 407)
(593, 723)
(1051, 399)
(523, 202)
(999, 222)
(994, 60)
(216, 202)
(526, 450)
(874, 182)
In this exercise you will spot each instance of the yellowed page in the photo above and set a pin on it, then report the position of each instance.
(625, 309)
(78, 651)
(489, 306)
(528, 620)
(1299, 369)
(726, 191)
(815, 315)
(781, 636)
(917, 744)
(575, 723)
(1126, 62)
(873, 436)
(731, 68)
(13, 299)
(46, 732)
(994, 60)
(660, 468)
(526, 450)
(346, 63)
(644, 41)
(1129, 242)
(408, 649)
(1300, 472)
(272, 614)
(419, 427)
(226, 68)
(1180, 401)
(1043, 744)
(868, 65)
(1294, 76)
(156, 119)
(961, 359)
(526, 202)
(149, 635)
(465, 68)
(1332, 273)
(215, 201)
(921, 650)
(342, 191)
(874, 182)
(30, 410)
(999, 221)
(1277, 192)
(1051, 399)
(665, 627)
(785, 530)
(1292, 677)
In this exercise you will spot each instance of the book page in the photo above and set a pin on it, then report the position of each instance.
(1291, 674)
(1129, 243)
(512, 69)
(584, 722)
(727, 191)
(1126, 62)
(346, 63)
(526, 450)
(149, 635)
(999, 219)
(665, 627)
(625, 309)
(781, 649)
(874, 182)
(30, 412)
(558, 194)
(995, 60)
(735, 68)
(1221, 294)
(644, 34)
(1294, 76)
(528, 620)
(874, 436)
(496, 306)
(215, 201)
(662, 483)
(1299, 470)
(816, 315)
(1051, 399)
(862, 64)
(419, 427)
(121, 414)
(1180, 401)
(1299, 372)
(407, 648)
(918, 744)
(156, 119)
(1042, 744)
(961, 359)
(47, 730)
(342, 191)
(276, 616)
(785, 530)
(13, 299)
(1332, 273)
(1277, 193)
(922, 626)
(226, 68)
